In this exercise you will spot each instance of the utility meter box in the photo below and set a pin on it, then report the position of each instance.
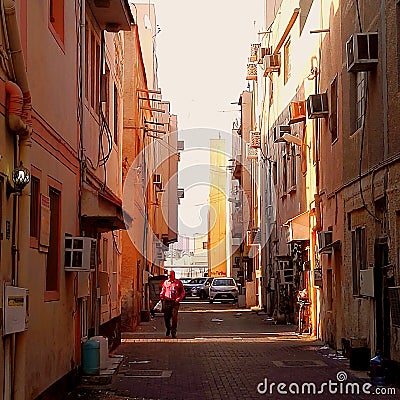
(15, 310)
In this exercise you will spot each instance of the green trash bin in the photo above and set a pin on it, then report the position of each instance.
(91, 357)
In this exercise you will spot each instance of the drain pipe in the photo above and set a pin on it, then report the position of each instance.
(21, 124)
(22, 81)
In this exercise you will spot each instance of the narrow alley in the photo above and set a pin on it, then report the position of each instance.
(164, 151)
(223, 352)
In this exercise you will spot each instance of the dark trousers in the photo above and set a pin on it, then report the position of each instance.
(170, 308)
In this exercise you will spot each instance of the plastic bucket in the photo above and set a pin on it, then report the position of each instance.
(103, 350)
(91, 357)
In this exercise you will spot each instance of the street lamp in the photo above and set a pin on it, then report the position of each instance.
(20, 177)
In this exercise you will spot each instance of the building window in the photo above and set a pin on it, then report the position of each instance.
(114, 274)
(284, 174)
(105, 93)
(92, 68)
(104, 265)
(358, 256)
(94, 72)
(35, 210)
(329, 289)
(56, 19)
(274, 173)
(293, 170)
(115, 114)
(333, 114)
(361, 99)
(104, 258)
(87, 35)
(53, 254)
(287, 63)
(248, 264)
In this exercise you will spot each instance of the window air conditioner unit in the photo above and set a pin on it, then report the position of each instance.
(324, 239)
(255, 139)
(251, 153)
(362, 51)
(181, 145)
(156, 179)
(271, 63)
(297, 111)
(317, 105)
(367, 282)
(279, 131)
(79, 253)
(285, 276)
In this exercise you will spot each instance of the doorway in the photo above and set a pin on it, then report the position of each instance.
(383, 277)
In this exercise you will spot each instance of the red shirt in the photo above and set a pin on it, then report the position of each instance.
(172, 290)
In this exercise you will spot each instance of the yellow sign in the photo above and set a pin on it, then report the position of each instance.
(15, 301)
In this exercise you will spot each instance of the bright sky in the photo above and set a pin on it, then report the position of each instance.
(202, 51)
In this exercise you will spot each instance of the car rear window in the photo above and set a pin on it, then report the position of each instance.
(223, 282)
(197, 280)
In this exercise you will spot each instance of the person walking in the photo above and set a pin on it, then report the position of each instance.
(172, 292)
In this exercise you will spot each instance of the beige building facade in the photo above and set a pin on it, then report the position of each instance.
(326, 74)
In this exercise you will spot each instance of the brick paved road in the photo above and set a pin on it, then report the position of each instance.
(222, 353)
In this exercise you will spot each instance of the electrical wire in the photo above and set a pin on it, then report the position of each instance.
(361, 153)
(115, 243)
(358, 15)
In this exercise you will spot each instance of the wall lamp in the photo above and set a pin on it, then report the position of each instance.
(20, 177)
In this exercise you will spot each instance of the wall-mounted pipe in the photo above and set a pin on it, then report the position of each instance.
(20, 122)
(15, 109)
(17, 57)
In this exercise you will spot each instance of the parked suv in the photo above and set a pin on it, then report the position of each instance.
(224, 289)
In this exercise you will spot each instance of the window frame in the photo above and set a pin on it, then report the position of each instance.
(56, 21)
(53, 294)
(284, 174)
(92, 68)
(36, 174)
(361, 98)
(358, 256)
(287, 61)
(293, 168)
(115, 114)
(333, 118)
